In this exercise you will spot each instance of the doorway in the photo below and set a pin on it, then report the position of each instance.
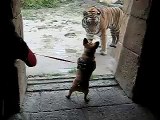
(58, 32)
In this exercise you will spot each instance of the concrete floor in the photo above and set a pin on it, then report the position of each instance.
(45, 100)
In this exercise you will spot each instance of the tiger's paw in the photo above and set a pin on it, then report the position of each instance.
(112, 45)
(102, 52)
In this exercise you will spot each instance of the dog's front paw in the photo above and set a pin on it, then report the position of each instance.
(67, 96)
(102, 52)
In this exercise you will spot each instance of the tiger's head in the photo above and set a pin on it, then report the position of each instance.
(91, 20)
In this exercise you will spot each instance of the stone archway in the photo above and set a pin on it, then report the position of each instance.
(127, 52)
(131, 39)
(17, 20)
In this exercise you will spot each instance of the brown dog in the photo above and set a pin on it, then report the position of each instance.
(86, 64)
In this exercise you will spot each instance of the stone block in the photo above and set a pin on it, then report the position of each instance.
(18, 22)
(140, 8)
(127, 70)
(127, 6)
(16, 8)
(134, 34)
(21, 79)
(123, 27)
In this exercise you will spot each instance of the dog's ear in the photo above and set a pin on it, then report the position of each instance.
(85, 41)
(85, 13)
(96, 44)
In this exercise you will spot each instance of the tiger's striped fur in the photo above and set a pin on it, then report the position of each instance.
(96, 21)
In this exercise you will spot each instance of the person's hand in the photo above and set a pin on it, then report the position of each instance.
(31, 60)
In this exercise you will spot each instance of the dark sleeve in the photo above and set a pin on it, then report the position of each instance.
(23, 52)
(20, 49)
(13, 46)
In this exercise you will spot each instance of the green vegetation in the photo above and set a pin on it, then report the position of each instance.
(36, 4)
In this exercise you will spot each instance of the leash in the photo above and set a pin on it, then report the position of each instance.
(55, 58)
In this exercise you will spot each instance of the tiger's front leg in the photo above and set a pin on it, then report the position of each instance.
(103, 38)
(115, 37)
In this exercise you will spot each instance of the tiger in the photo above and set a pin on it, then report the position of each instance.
(96, 21)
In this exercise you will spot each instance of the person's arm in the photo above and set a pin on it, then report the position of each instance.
(21, 49)
(23, 52)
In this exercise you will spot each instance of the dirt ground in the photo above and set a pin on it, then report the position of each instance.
(58, 32)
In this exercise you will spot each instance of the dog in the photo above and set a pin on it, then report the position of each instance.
(86, 64)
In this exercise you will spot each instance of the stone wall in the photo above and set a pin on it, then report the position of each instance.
(131, 39)
(19, 64)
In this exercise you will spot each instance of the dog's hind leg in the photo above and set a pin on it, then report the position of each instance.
(85, 96)
(70, 93)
